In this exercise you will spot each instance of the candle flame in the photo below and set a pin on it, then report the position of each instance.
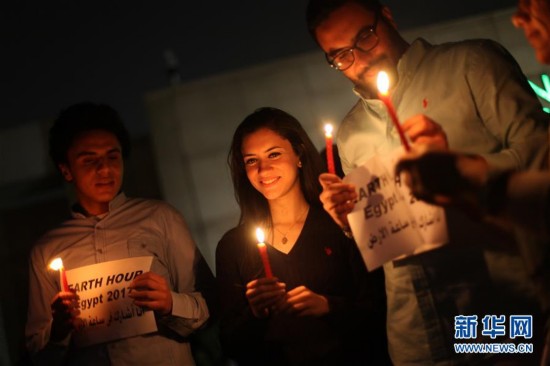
(383, 82)
(328, 130)
(56, 264)
(260, 235)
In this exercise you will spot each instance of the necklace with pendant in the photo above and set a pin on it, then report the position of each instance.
(284, 240)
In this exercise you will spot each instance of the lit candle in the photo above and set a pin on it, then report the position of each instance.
(263, 252)
(383, 87)
(330, 155)
(57, 265)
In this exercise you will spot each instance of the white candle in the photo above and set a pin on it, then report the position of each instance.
(57, 265)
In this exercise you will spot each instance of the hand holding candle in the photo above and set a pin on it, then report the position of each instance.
(263, 253)
(57, 265)
(64, 306)
(330, 154)
(383, 86)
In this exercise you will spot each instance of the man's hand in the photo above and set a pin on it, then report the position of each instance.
(150, 290)
(424, 131)
(65, 311)
(301, 301)
(263, 294)
(338, 198)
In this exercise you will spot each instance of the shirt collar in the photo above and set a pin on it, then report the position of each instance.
(409, 62)
(412, 58)
(78, 212)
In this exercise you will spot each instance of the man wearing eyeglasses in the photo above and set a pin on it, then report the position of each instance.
(477, 92)
(519, 198)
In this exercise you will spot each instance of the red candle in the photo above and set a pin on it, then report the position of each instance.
(330, 154)
(57, 265)
(263, 253)
(384, 86)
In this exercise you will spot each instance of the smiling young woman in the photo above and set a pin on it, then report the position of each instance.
(320, 294)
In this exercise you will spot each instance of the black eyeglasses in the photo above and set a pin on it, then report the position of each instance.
(365, 41)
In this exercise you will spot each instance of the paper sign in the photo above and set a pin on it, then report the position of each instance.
(387, 221)
(106, 310)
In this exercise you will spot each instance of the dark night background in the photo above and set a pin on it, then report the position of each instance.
(55, 53)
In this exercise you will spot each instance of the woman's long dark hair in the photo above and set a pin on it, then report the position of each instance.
(254, 206)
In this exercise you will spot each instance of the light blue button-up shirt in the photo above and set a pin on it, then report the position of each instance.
(478, 94)
(131, 228)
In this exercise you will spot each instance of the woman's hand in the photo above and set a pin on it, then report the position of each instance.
(301, 301)
(263, 294)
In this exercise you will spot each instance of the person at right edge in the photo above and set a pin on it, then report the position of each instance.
(321, 307)
(516, 199)
(478, 94)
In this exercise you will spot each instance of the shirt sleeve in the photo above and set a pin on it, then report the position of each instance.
(189, 308)
(346, 165)
(508, 108)
(350, 138)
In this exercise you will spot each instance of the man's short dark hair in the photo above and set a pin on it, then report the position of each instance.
(319, 10)
(83, 117)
